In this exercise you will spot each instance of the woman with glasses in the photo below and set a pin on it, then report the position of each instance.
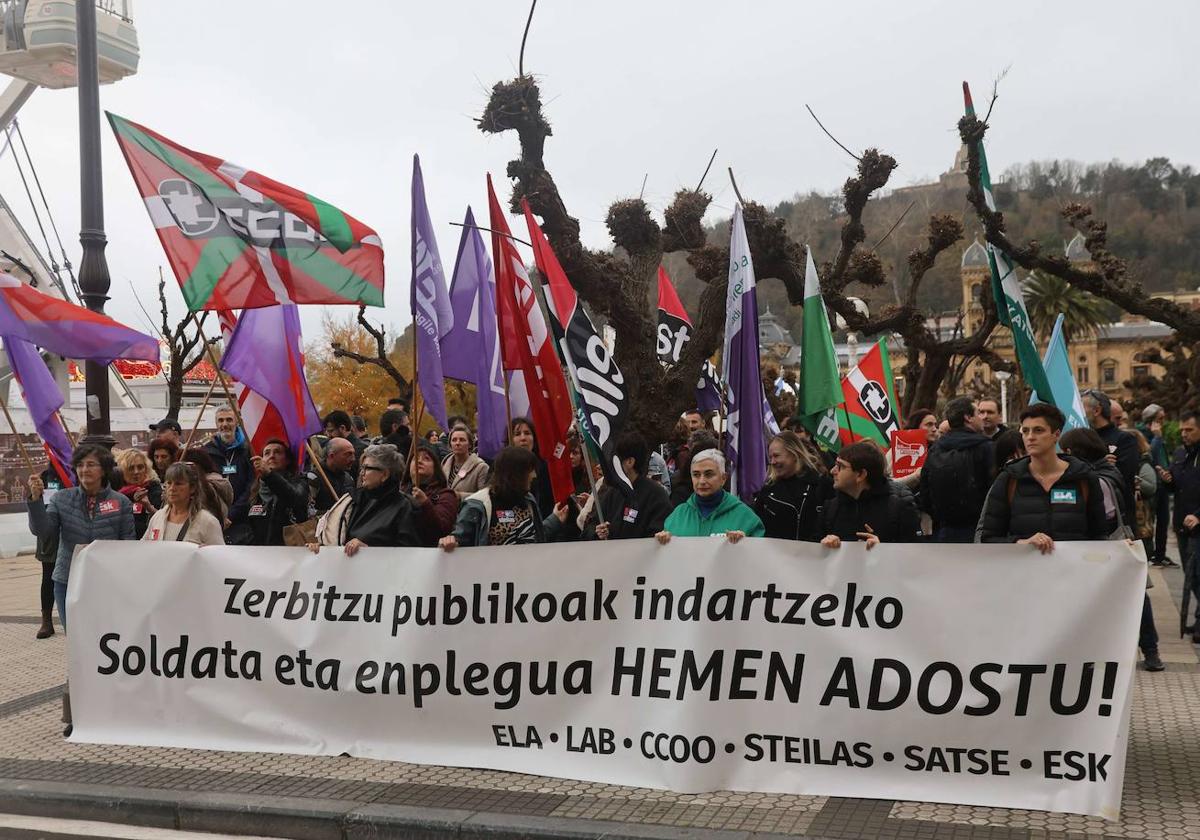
(78, 515)
(183, 517)
(376, 514)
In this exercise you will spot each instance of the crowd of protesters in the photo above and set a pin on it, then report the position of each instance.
(1034, 484)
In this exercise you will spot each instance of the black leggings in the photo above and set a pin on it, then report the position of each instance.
(47, 592)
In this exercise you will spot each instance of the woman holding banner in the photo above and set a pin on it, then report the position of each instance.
(376, 513)
(183, 517)
(506, 512)
(798, 485)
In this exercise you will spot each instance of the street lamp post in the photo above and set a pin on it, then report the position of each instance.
(1002, 377)
(94, 280)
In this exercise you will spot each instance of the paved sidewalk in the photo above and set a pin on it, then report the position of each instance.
(302, 796)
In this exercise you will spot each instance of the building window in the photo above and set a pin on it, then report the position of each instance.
(1108, 375)
(976, 292)
(1081, 375)
(1141, 370)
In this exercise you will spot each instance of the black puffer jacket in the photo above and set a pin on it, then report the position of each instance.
(790, 508)
(954, 497)
(382, 516)
(1072, 510)
(643, 516)
(893, 517)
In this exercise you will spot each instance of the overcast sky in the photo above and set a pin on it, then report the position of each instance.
(335, 97)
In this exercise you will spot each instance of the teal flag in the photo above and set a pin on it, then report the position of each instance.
(1006, 289)
(1064, 392)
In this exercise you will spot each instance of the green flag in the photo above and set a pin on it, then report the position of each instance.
(820, 384)
(1006, 288)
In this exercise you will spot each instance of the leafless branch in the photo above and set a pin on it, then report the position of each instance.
(705, 175)
(831, 137)
(521, 58)
(911, 205)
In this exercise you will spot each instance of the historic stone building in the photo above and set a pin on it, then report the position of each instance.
(1104, 360)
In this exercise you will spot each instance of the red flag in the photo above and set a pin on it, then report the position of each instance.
(260, 417)
(527, 346)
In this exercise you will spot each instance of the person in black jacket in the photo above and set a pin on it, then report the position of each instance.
(1182, 477)
(1045, 496)
(864, 507)
(624, 518)
(797, 488)
(376, 514)
(279, 497)
(957, 474)
(1120, 443)
(522, 434)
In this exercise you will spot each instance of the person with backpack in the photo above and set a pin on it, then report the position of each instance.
(865, 507)
(1044, 496)
(957, 474)
(1087, 445)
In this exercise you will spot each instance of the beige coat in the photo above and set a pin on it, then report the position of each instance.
(471, 478)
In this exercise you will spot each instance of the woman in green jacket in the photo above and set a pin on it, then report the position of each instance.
(710, 510)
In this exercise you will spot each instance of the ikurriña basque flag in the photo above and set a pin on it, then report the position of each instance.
(237, 239)
(594, 372)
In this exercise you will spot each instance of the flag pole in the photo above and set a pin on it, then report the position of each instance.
(849, 428)
(63, 421)
(212, 357)
(316, 460)
(203, 406)
(28, 461)
(418, 405)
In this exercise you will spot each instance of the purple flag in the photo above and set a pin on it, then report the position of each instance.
(470, 349)
(747, 425)
(265, 355)
(66, 329)
(44, 400)
(431, 310)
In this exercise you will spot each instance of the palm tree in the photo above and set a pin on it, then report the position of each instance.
(1047, 295)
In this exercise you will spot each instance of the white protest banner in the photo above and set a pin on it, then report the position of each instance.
(983, 674)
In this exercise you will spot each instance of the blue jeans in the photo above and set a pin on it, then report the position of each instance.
(60, 598)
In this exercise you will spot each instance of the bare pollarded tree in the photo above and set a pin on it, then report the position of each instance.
(619, 284)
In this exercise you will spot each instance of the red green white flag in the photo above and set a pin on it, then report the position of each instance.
(237, 239)
(870, 408)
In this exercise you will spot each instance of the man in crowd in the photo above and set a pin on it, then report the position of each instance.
(1153, 417)
(988, 410)
(1119, 419)
(958, 473)
(864, 507)
(645, 513)
(1183, 479)
(694, 420)
(168, 429)
(1120, 443)
(393, 425)
(230, 453)
(338, 424)
(338, 463)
